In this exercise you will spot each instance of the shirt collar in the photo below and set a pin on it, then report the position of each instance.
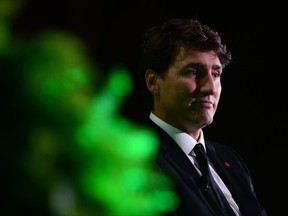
(184, 140)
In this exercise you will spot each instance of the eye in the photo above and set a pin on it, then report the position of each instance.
(216, 74)
(191, 72)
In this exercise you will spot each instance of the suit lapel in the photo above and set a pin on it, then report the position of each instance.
(225, 167)
(174, 161)
(170, 153)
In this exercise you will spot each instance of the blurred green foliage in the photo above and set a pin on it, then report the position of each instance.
(70, 153)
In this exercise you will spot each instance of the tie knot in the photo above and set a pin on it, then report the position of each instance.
(200, 151)
(201, 158)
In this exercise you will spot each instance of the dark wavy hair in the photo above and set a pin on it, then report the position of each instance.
(162, 43)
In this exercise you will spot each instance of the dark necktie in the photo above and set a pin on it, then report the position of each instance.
(208, 186)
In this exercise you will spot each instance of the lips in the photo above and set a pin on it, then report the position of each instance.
(204, 103)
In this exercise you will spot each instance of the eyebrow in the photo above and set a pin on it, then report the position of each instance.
(200, 65)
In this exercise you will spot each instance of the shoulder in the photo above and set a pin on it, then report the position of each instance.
(224, 151)
(217, 146)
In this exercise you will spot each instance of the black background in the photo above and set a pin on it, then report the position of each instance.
(252, 112)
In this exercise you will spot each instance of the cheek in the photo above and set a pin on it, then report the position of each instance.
(187, 87)
(217, 96)
(219, 90)
(171, 91)
(218, 87)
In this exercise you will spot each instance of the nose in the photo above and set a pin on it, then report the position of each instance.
(208, 85)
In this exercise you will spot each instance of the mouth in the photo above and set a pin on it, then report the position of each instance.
(204, 103)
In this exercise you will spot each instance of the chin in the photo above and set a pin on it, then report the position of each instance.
(206, 121)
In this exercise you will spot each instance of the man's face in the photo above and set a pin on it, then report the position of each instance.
(187, 95)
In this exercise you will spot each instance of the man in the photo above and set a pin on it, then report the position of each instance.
(183, 61)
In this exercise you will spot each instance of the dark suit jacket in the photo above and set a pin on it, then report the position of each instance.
(227, 163)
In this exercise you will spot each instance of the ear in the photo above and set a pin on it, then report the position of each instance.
(151, 80)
